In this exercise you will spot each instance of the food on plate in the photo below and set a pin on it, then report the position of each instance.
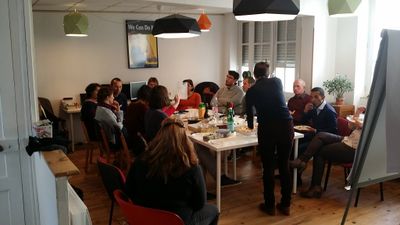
(303, 128)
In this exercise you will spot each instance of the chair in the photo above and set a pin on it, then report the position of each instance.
(344, 130)
(91, 146)
(112, 178)
(138, 215)
(206, 98)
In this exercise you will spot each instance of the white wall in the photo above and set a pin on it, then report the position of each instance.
(66, 65)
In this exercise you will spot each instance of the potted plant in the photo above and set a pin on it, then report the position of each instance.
(338, 86)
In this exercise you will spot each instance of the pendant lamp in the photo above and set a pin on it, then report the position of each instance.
(264, 10)
(176, 26)
(75, 24)
(204, 22)
(342, 8)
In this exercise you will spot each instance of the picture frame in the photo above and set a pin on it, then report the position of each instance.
(142, 46)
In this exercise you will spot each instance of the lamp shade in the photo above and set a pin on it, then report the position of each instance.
(204, 23)
(264, 10)
(75, 24)
(342, 7)
(176, 26)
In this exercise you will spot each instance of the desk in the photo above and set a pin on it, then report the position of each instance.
(232, 143)
(71, 111)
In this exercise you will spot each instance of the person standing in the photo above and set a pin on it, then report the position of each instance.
(275, 132)
(297, 103)
(116, 85)
(230, 93)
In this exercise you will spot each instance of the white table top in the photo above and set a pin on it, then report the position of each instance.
(72, 109)
(237, 140)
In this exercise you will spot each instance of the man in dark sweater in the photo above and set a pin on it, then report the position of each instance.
(275, 133)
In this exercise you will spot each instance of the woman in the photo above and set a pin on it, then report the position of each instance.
(88, 111)
(134, 120)
(328, 147)
(193, 99)
(167, 176)
(109, 115)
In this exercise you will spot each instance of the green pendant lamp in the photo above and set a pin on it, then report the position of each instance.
(75, 24)
(342, 8)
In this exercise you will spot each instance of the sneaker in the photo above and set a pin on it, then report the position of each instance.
(269, 211)
(226, 181)
(297, 163)
(313, 192)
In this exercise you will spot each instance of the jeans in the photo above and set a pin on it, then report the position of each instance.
(208, 215)
(276, 136)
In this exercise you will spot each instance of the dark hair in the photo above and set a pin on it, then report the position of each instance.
(261, 69)
(152, 79)
(115, 79)
(320, 90)
(246, 74)
(90, 89)
(234, 74)
(144, 93)
(159, 97)
(103, 93)
(190, 82)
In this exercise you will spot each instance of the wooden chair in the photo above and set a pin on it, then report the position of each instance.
(113, 178)
(91, 146)
(139, 215)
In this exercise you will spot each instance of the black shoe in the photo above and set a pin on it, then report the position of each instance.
(211, 196)
(226, 181)
(282, 209)
(269, 211)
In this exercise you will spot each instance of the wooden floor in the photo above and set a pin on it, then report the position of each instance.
(239, 203)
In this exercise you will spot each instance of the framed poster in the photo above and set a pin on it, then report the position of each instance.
(142, 45)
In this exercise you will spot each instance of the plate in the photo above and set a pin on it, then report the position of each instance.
(351, 119)
(304, 128)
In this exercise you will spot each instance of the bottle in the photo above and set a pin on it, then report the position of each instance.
(230, 120)
(202, 110)
(214, 107)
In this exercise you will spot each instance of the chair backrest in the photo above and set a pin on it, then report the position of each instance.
(343, 127)
(101, 135)
(138, 215)
(200, 87)
(85, 132)
(112, 176)
(45, 103)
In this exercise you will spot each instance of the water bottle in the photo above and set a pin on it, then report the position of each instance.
(230, 120)
(214, 107)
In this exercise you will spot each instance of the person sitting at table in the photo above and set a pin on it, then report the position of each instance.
(230, 93)
(297, 103)
(167, 176)
(88, 110)
(328, 147)
(152, 82)
(109, 115)
(134, 120)
(193, 99)
(116, 85)
(155, 114)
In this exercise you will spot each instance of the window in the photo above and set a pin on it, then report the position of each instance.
(272, 42)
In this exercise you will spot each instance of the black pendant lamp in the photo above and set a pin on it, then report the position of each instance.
(264, 10)
(176, 26)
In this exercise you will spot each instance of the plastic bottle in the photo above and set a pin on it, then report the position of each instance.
(230, 120)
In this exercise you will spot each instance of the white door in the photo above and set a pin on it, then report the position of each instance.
(12, 70)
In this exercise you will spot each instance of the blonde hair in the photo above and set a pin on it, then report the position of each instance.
(170, 153)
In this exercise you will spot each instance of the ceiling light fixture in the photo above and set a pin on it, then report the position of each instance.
(264, 10)
(204, 22)
(176, 26)
(342, 8)
(75, 24)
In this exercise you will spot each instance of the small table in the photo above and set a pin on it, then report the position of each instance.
(71, 111)
(232, 143)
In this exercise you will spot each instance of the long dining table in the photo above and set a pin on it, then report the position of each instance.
(233, 142)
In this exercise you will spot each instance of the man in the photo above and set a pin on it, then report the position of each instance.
(152, 82)
(116, 85)
(275, 133)
(230, 93)
(297, 103)
(321, 114)
(247, 83)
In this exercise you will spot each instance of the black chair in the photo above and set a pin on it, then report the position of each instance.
(113, 179)
(206, 98)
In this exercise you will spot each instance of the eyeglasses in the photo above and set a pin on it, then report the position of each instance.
(174, 122)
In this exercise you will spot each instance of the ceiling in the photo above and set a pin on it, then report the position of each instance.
(135, 6)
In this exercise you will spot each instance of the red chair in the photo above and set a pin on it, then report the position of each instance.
(113, 179)
(138, 215)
